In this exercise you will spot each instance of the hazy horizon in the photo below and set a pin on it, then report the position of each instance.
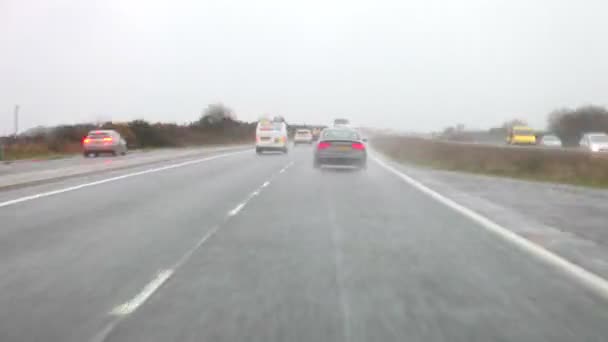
(409, 65)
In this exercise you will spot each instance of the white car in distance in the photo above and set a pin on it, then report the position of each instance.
(550, 140)
(302, 136)
(594, 142)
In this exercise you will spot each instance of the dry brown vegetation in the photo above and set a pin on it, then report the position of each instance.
(554, 165)
(38, 150)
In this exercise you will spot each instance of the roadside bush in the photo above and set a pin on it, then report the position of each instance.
(218, 125)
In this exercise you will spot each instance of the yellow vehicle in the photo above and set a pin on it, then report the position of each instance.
(521, 135)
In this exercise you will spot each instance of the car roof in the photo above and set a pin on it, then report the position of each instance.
(341, 128)
(102, 131)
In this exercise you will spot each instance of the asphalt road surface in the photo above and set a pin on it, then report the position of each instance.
(238, 247)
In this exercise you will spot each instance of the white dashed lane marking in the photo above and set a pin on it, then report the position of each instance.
(163, 276)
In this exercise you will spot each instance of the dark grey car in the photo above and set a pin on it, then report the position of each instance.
(340, 146)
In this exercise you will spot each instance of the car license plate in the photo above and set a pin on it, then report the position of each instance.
(343, 148)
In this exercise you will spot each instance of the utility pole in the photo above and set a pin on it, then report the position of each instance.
(16, 120)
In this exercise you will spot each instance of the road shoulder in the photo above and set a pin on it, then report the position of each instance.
(566, 220)
(15, 180)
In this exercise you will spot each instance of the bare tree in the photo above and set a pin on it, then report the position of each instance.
(216, 114)
(571, 124)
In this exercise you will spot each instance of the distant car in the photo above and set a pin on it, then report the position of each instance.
(271, 136)
(550, 141)
(103, 141)
(594, 142)
(302, 136)
(340, 146)
(521, 135)
(341, 123)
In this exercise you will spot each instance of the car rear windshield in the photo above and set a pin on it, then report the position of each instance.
(340, 122)
(599, 138)
(98, 135)
(335, 134)
(270, 126)
(303, 132)
(523, 132)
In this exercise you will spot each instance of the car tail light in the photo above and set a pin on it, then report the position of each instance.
(358, 146)
(107, 139)
(86, 141)
(323, 145)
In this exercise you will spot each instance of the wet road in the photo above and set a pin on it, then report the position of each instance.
(232, 246)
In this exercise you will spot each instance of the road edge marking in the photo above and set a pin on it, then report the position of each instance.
(587, 278)
(113, 179)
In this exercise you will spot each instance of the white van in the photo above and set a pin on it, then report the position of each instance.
(271, 136)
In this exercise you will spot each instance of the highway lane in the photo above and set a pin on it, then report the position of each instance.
(67, 260)
(268, 249)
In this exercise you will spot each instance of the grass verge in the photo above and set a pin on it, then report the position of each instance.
(42, 151)
(548, 165)
(35, 151)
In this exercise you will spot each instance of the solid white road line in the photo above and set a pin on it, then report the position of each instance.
(113, 179)
(592, 281)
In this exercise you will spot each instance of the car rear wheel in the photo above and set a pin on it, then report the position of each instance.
(285, 150)
(258, 150)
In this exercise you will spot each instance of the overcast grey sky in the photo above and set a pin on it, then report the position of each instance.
(412, 65)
